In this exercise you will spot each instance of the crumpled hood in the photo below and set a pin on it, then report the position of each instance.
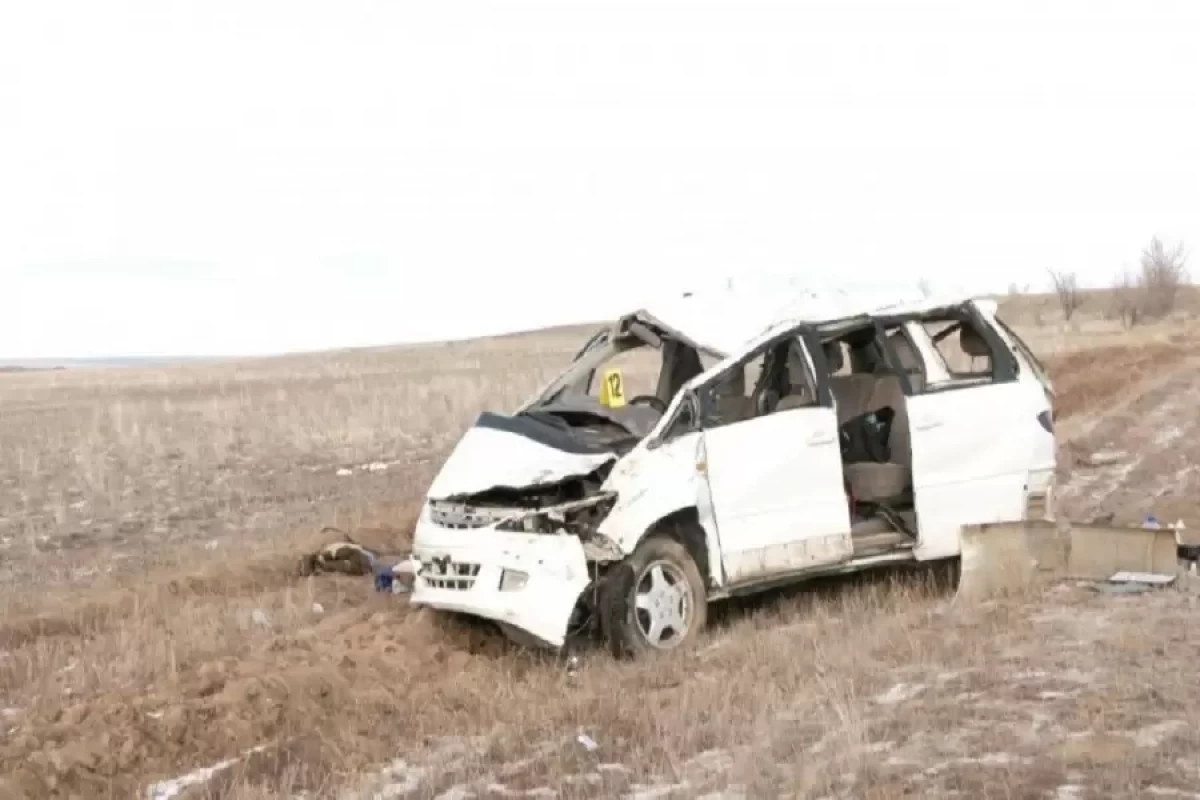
(514, 452)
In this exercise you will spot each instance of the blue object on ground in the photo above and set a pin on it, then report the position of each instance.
(385, 577)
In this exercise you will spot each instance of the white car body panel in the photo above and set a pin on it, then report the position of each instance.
(486, 458)
(777, 492)
(654, 483)
(963, 472)
(1044, 457)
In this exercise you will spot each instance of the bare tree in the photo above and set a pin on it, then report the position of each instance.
(1163, 272)
(1127, 299)
(1066, 289)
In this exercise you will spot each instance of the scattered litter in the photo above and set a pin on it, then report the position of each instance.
(1122, 588)
(588, 742)
(376, 466)
(317, 608)
(1134, 582)
(395, 578)
(1151, 578)
(344, 473)
(212, 544)
(259, 618)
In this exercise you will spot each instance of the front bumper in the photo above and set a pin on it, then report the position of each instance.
(461, 570)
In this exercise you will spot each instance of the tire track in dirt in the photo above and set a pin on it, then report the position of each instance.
(1154, 430)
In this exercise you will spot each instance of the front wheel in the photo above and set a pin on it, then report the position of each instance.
(654, 601)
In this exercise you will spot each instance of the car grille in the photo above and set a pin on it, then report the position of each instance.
(442, 573)
(463, 517)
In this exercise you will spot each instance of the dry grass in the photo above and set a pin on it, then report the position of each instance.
(151, 523)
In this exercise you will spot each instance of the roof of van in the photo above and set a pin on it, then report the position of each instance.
(726, 319)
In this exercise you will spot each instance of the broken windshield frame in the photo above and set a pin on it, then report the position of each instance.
(624, 335)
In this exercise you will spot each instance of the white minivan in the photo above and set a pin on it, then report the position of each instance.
(834, 439)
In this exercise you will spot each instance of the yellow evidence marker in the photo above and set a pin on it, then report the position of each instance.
(612, 389)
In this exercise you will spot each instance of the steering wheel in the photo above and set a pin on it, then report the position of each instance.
(650, 400)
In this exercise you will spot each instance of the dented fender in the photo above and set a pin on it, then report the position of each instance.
(654, 483)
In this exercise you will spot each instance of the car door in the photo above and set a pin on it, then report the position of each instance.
(971, 438)
(775, 478)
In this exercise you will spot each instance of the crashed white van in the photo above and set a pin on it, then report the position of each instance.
(772, 443)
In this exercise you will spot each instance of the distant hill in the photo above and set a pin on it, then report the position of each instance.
(16, 368)
(45, 364)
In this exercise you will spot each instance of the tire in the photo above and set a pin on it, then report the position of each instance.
(662, 571)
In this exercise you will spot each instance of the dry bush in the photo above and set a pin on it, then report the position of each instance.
(1066, 290)
(1163, 272)
(1153, 292)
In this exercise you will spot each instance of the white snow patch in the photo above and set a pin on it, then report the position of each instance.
(1154, 735)
(1167, 791)
(985, 760)
(641, 792)
(164, 790)
(900, 693)
(1168, 436)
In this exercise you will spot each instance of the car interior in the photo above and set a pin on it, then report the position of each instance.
(870, 403)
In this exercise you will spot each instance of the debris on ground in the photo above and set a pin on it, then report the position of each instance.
(1005, 557)
(395, 578)
(347, 557)
(1135, 582)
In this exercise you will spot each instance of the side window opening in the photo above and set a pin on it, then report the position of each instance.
(971, 353)
(774, 378)
(962, 348)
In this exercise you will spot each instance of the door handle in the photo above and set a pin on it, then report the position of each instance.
(818, 439)
(928, 424)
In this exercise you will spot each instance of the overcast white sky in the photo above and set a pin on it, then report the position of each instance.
(247, 176)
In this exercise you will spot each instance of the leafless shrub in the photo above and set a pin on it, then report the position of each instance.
(1126, 300)
(1066, 289)
(1153, 291)
(1163, 272)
